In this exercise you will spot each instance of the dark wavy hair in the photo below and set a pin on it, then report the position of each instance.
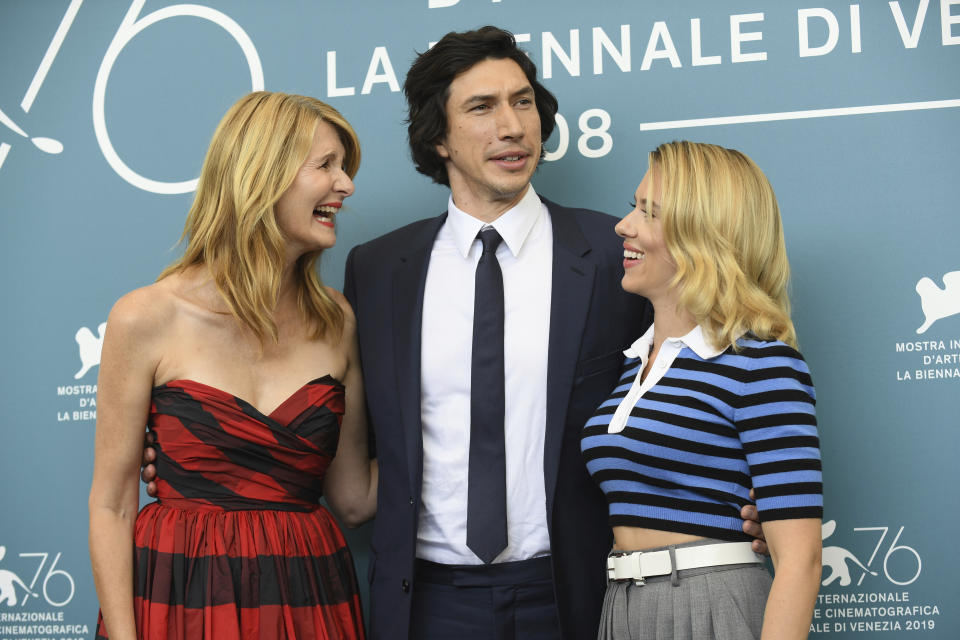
(427, 88)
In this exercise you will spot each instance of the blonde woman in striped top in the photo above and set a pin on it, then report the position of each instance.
(714, 400)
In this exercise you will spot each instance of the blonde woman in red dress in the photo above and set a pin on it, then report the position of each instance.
(245, 367)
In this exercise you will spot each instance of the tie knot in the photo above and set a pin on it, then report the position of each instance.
(490, 239)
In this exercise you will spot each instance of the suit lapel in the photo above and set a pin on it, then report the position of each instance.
(573, 277)
(409, 279)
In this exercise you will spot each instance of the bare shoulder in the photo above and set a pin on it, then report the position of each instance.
(135, 338)
(143, 313)
(158, 312)
(344, 304)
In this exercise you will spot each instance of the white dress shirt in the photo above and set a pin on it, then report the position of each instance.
(525, 257)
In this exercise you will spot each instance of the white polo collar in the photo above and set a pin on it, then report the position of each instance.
(514, 225)
(694, 339)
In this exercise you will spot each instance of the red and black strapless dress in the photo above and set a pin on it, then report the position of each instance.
(236, 545)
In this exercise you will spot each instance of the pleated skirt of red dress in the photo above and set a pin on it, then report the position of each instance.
(257, 574)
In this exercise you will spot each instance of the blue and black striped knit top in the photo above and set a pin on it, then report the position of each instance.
(703, 427)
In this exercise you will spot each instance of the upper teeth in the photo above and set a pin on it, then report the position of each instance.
(510, 158)
(633, 255)
(325, 209)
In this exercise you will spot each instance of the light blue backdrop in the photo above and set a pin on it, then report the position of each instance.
(858, 132)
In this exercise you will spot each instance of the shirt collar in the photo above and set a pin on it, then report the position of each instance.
(641, 346)
(694, 339)
(513, 225)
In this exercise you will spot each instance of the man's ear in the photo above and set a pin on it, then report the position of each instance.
(442, 150)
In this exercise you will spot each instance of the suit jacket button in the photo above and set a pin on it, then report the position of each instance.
(412, 502)
(404, 586)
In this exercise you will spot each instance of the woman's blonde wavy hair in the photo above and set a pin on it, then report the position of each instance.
(722, 227)
(254, 156)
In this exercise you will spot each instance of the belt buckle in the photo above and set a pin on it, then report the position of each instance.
(611, 568)
(638, 581)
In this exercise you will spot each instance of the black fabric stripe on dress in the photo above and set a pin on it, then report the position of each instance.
(305, 581)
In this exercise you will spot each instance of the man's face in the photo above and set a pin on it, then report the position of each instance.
(492, 144)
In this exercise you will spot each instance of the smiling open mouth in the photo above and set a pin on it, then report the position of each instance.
(324, 214)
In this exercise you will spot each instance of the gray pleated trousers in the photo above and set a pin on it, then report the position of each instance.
(710, 603)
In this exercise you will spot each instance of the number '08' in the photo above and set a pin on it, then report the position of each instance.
(594, 125)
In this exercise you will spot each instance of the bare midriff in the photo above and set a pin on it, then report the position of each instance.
(638, 539)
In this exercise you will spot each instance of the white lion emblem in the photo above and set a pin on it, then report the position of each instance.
(939, 303)
(835, 559)
(90, 347)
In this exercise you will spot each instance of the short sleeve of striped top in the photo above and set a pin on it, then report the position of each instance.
(777, 423)
(705, 433)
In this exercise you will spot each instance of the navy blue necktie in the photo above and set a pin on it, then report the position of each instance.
(487, 481)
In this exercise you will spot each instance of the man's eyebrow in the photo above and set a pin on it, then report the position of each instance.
(479, 98)
(485, 97)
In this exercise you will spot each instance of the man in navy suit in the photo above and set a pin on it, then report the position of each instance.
(477, 121)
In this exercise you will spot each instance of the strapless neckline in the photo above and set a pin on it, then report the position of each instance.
(180, 382)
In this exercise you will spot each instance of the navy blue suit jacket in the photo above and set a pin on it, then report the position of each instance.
(591, 321)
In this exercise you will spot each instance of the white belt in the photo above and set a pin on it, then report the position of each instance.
(639, 565)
